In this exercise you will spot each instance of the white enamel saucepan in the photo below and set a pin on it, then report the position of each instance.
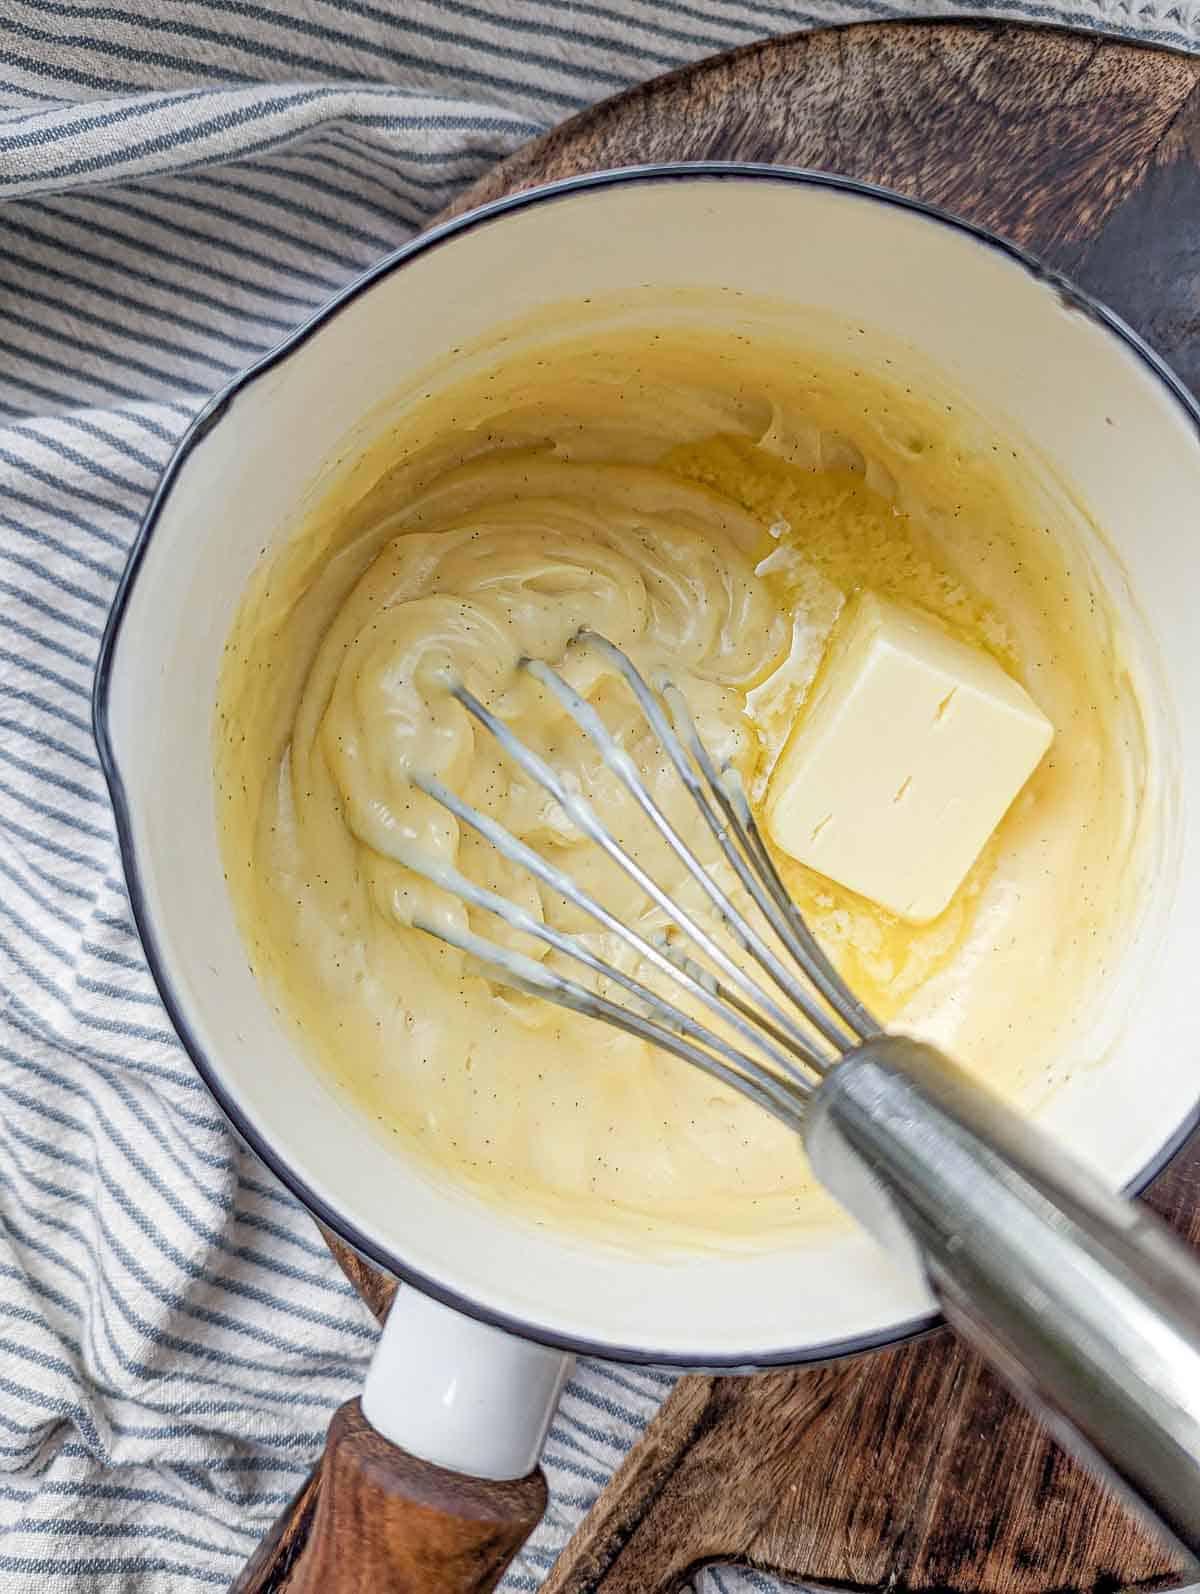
(474, 1356)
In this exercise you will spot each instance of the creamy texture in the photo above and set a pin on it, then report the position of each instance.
(709, 501)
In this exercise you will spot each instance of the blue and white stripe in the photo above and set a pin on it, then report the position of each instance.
(183, 182)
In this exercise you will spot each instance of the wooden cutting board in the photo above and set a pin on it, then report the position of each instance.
(910, 1469)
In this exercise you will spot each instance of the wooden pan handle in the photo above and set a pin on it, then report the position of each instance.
(374, 1520)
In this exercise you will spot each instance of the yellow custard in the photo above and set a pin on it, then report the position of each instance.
(709, 501)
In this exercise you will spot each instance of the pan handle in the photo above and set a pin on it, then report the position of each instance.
(444, 1511)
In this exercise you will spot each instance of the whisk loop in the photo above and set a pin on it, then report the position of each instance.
(783, 1037)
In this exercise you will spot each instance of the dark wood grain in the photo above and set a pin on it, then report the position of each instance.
(911, 1469)
(375, 1287)
(908, 1470)
(383, 1522)
(272, 1567)
(1081, 149)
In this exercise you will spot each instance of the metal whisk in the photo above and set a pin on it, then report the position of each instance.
(1087, 1304)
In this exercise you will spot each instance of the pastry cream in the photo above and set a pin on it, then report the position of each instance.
(708, 500)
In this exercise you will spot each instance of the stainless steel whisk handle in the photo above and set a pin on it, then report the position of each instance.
(1083, 1301)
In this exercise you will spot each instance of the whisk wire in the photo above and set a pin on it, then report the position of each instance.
(584, 817)
(777, 905)
(784, 1099)
(800, 949)
(762, 1045)
(558, 880)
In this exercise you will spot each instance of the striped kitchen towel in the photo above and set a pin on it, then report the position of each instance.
(184, 181)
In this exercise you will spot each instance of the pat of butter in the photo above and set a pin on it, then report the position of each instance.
(908, 756)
